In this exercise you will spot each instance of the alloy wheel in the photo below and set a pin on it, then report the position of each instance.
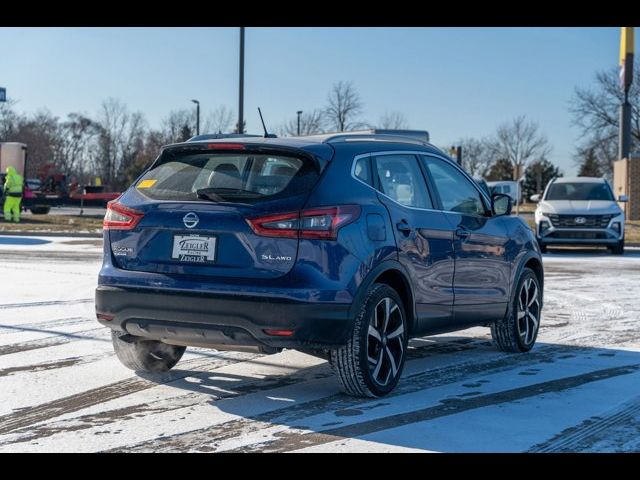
(386, 341)
(528, 311)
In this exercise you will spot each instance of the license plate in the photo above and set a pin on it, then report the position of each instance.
(194, 248)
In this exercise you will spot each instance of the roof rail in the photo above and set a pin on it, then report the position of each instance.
(420, 137)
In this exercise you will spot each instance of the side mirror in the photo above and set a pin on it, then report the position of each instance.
(623, 198)
(501, 204)
(535, 198)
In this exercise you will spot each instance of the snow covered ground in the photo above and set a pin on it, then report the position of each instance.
(62, 389)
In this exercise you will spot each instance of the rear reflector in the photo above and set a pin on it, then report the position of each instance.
(225, 146)
(119, 217)
(279, 333)
(316, 223)
(105, 316)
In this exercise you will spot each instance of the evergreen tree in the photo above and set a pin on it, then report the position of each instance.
(501, 170)
(537, 175)
(589, 166)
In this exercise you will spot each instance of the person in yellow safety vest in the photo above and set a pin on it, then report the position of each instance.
(13, 195)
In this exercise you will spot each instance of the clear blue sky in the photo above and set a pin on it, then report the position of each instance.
(451, 81)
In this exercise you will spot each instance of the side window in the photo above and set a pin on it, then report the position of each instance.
(457, 193)
(400, 178)
(362, 170)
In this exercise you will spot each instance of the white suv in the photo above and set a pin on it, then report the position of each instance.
(579, 211)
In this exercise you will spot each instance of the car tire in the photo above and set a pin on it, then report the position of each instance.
(518, 329)
(618, 249)
(263, 349)
(371, 363)
(40, 210)
(146, 355)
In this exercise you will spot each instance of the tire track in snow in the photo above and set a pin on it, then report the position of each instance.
(32, 345)
(295, 440)
(6, 306)
(79, 335)
(201, 440)
(35, 326)
(57, 338)
(43, 256)
(39, 367)
(596, 429)
(46, 411)
(102, 394)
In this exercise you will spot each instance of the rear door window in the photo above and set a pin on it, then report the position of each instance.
(225, 177)
(400, 178)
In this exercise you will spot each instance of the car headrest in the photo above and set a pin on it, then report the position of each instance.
(225, 175)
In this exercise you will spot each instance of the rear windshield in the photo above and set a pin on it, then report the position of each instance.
(237, 177)
(579, 191)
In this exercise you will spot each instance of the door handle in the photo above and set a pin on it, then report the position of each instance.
(404, 227)
(462, 233)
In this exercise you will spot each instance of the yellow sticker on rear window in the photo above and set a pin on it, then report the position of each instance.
(147, 183)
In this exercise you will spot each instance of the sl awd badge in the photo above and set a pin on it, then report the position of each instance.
(190, 220)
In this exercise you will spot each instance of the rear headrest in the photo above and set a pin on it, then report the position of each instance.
(225, 175)
(284, 170)
(227, 169)
(396, 167)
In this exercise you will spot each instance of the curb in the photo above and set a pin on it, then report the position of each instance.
(28, 233)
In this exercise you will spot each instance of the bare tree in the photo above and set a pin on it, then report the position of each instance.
(393, 120)
(72, 152)
(119, 139)
(596, 112)
(218, 121)
(310, 124)
(9, 120)
(343, 107)
(477, 155)
(41, 133)
(520, 141)
(178, 126)
(154, 140)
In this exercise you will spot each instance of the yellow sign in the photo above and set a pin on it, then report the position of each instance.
(147, 183)
(626, 43)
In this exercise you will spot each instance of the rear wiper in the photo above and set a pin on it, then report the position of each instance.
(215, 193)
(208, 194)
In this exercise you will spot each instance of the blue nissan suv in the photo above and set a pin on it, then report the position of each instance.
(342, 245)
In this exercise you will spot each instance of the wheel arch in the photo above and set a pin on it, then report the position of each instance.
(533, 262)
(393, 274)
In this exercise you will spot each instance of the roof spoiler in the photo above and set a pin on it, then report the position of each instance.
(216, 136)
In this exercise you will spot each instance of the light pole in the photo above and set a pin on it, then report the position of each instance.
(626, 78)
(241, 89)
(299, 112)
(197, 116)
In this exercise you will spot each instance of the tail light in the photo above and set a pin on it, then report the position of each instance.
(316, 223)
(119, 217)
(225, 146)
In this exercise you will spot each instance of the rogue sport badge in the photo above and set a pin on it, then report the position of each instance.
(580, 220)
(190, 220)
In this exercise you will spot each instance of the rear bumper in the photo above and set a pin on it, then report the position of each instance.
(229, 320)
